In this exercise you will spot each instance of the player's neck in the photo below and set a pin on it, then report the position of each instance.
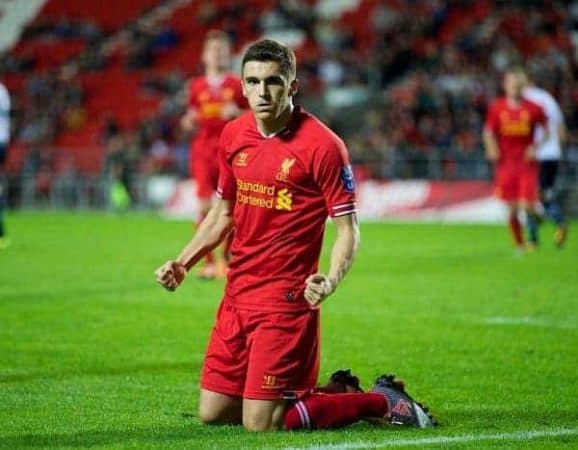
(215, 73)
(514, 101)
(273, 127)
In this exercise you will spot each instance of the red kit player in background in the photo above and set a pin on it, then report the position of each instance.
(213, 100)
(509, 140)
(282, 173)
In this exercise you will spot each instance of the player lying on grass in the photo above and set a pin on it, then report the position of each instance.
(281, 173)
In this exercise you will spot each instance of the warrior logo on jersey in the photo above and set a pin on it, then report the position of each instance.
(283, 173)
(347, 178)
(241, 159)
(269, 382)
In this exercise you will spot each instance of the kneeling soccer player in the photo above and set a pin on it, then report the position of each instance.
(282, 172)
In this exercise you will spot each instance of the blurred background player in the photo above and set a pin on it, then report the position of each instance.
(509, 142)
(4, 139)
(213, 100)
(549, 154)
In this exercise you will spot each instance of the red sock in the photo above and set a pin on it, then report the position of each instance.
(516, 229)
(317, 411)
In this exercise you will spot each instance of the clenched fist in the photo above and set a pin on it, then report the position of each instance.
(317, 288)
(170, 275)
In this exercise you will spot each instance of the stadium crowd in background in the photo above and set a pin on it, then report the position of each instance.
(429, 70)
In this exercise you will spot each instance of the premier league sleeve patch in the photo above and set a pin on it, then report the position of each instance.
(347, 179)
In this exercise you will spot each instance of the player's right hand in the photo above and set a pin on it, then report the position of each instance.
(492, 155)
(170, 275)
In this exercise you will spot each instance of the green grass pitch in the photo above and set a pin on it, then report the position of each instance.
(95, 354)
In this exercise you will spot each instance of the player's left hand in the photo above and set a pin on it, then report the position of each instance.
(317, 288)
(170, 275)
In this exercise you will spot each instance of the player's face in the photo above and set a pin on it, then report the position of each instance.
(512, 85)
(267, 89)
(217, 54)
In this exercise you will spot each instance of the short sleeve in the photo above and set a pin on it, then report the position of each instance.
(492, 118)
(333, 175)
(227, 187)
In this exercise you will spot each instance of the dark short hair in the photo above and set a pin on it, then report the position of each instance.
(269, 50)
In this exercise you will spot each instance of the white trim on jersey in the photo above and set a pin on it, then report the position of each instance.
(343, 205)
(345, 213)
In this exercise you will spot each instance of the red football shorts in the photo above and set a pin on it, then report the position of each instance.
(204, 168)
(517, 183)
(261, 355)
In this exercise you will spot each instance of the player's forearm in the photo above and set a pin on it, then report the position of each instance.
(343, 252)
(490, 145)
(211, 232)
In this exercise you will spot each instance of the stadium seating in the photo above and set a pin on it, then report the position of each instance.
(112, 89)
(49, 53)
(109, 16)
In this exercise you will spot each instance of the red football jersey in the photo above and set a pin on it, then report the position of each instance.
(283, 189)
(208, 98)
(514, 126)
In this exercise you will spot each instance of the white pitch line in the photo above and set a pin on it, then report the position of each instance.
(516, 436)
(530, 321)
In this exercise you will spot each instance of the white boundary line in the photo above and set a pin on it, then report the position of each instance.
(523, 435)
(529, 321)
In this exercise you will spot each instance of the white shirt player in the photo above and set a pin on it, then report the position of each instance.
(4, 115)
(550, 150)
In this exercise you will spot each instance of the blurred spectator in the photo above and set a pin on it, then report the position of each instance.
(65, 188)
(117, 174)
(110, 128)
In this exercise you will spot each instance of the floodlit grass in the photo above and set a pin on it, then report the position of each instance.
(95, 354)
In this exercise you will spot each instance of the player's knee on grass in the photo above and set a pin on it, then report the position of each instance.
(219, 409)
(263, 415)
(209, 416)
